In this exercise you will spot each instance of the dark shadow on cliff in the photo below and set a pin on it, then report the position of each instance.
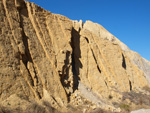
(23, 12)
(65, 72)
(123, 62)
(76, 55)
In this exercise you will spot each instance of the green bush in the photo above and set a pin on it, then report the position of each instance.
(124, 106)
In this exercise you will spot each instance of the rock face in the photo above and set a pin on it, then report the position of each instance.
(51, 60)
(141, 111)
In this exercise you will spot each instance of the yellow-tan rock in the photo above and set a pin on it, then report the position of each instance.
(49, 60)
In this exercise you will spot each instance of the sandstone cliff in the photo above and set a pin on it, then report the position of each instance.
(49, 60)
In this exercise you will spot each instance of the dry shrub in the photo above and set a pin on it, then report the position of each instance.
(35, 108)
(8, 110)
(4, 109)
(146, 88)
(99, 110)
(125, 107)
(49, 108)
(44, 108)
(137, 98)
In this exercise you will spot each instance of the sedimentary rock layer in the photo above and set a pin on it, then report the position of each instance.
(45, 56)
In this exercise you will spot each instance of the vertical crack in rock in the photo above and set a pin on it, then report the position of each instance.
(64, 76)
(106, 84)
(76, 55)
(86, 39)
(26, 58)
(96, 61)
(123, 62)
(74, 64)
(130, 84)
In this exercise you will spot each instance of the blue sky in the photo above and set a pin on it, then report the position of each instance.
(128, 20)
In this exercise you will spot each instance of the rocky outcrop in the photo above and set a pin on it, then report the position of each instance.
(51, 60)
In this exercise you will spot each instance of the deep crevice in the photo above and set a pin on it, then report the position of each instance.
(130, 84)
(106, 84)
(96, 61)
(98, 69)
(87, 39)
(64, 74)
(75, 64)
(123, 62)
(76, 55)
(27, 56)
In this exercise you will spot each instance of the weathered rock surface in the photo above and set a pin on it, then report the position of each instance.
(49, 60)
(142, 111)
